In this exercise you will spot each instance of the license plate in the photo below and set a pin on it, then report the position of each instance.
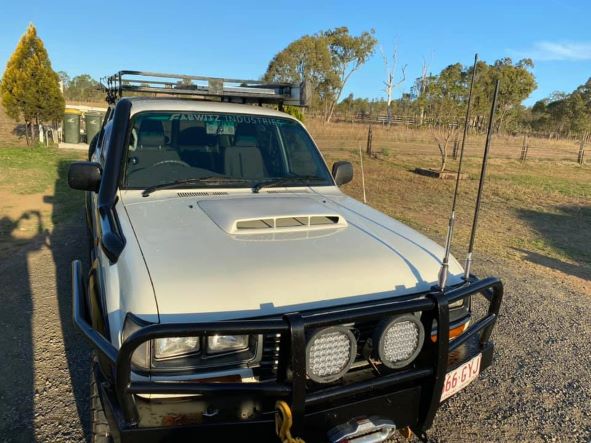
(461, 377)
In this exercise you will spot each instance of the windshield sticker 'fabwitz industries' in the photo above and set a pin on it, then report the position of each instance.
(229, 118)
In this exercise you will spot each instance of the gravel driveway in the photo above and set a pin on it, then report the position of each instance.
(538, 390)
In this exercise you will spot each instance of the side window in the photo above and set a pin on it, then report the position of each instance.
(100, 137)
(300, 151)
(104, 146)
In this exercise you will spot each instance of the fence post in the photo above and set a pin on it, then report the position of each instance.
(581, 157)
(524, 149)
(369, 142)
(454, 153)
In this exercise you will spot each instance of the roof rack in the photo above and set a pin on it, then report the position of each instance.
(204, 88)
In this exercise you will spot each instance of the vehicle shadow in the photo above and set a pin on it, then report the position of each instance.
(68, 242)
(566, 230)
(16, 340)
(32, 323)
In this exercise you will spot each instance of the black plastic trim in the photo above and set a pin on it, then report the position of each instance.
(111, 236)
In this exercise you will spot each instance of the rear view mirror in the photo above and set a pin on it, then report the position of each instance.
(85, 176)
(342, 172)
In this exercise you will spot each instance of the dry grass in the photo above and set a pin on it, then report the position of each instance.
(399, 140)
(34, 194)
(539, 212)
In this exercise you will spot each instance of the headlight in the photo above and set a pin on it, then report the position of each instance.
(226, 343)
(330, 353)
(171, 347)
(457, 304)
(400, 340)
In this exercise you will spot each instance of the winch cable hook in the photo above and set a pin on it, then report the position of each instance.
(284, 422)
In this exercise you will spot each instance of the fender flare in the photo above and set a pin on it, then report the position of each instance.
(95, 302)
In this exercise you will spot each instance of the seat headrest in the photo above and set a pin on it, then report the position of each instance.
(150, 125)
(151, 134)
(245, 140)
(246, 135)
(195, 136)
(244, 161)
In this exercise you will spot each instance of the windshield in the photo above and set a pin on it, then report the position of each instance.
(240, 150)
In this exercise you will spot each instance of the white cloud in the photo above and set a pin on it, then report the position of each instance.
(550, 51)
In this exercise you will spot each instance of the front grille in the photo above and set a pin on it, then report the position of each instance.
(270, 356)
(363, 332)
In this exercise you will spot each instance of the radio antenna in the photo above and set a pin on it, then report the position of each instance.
(443, 273)
(489, 135)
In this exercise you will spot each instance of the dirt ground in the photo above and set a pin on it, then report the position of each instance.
(538, 390)
(45, 372)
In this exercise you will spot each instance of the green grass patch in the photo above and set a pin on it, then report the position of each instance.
(567, 186)
(33, 170)
(27, 171)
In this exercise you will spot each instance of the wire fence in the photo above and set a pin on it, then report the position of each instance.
(401, 140)
(414, 122)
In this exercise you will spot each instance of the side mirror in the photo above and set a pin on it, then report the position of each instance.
(342, 172)
(85, 176)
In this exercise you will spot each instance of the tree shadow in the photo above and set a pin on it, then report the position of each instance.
(20, 131)
(16, 341)
(567, 230)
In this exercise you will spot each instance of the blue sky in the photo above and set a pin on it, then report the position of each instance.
(237, 39)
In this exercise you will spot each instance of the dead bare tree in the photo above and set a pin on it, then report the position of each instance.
(422, 90)
(391, 84)
(443, 135)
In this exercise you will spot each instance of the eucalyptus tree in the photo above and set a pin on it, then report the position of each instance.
(517, 83)
(305, 59)
(348, 54)
(326, 61)
(84, 88)
(447, 94)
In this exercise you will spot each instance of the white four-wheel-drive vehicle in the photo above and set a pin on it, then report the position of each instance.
(232, 284)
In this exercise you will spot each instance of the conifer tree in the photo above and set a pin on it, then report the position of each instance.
(30, 88)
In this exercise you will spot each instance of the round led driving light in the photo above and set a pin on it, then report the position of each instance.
(400, 340)
(330, 353)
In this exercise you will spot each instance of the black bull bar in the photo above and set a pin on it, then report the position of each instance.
(292, 327)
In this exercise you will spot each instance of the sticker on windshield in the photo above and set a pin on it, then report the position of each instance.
(220, 128)
(228, 119)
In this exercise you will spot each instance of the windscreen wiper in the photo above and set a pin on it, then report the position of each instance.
(285, 180)
(210, 180)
